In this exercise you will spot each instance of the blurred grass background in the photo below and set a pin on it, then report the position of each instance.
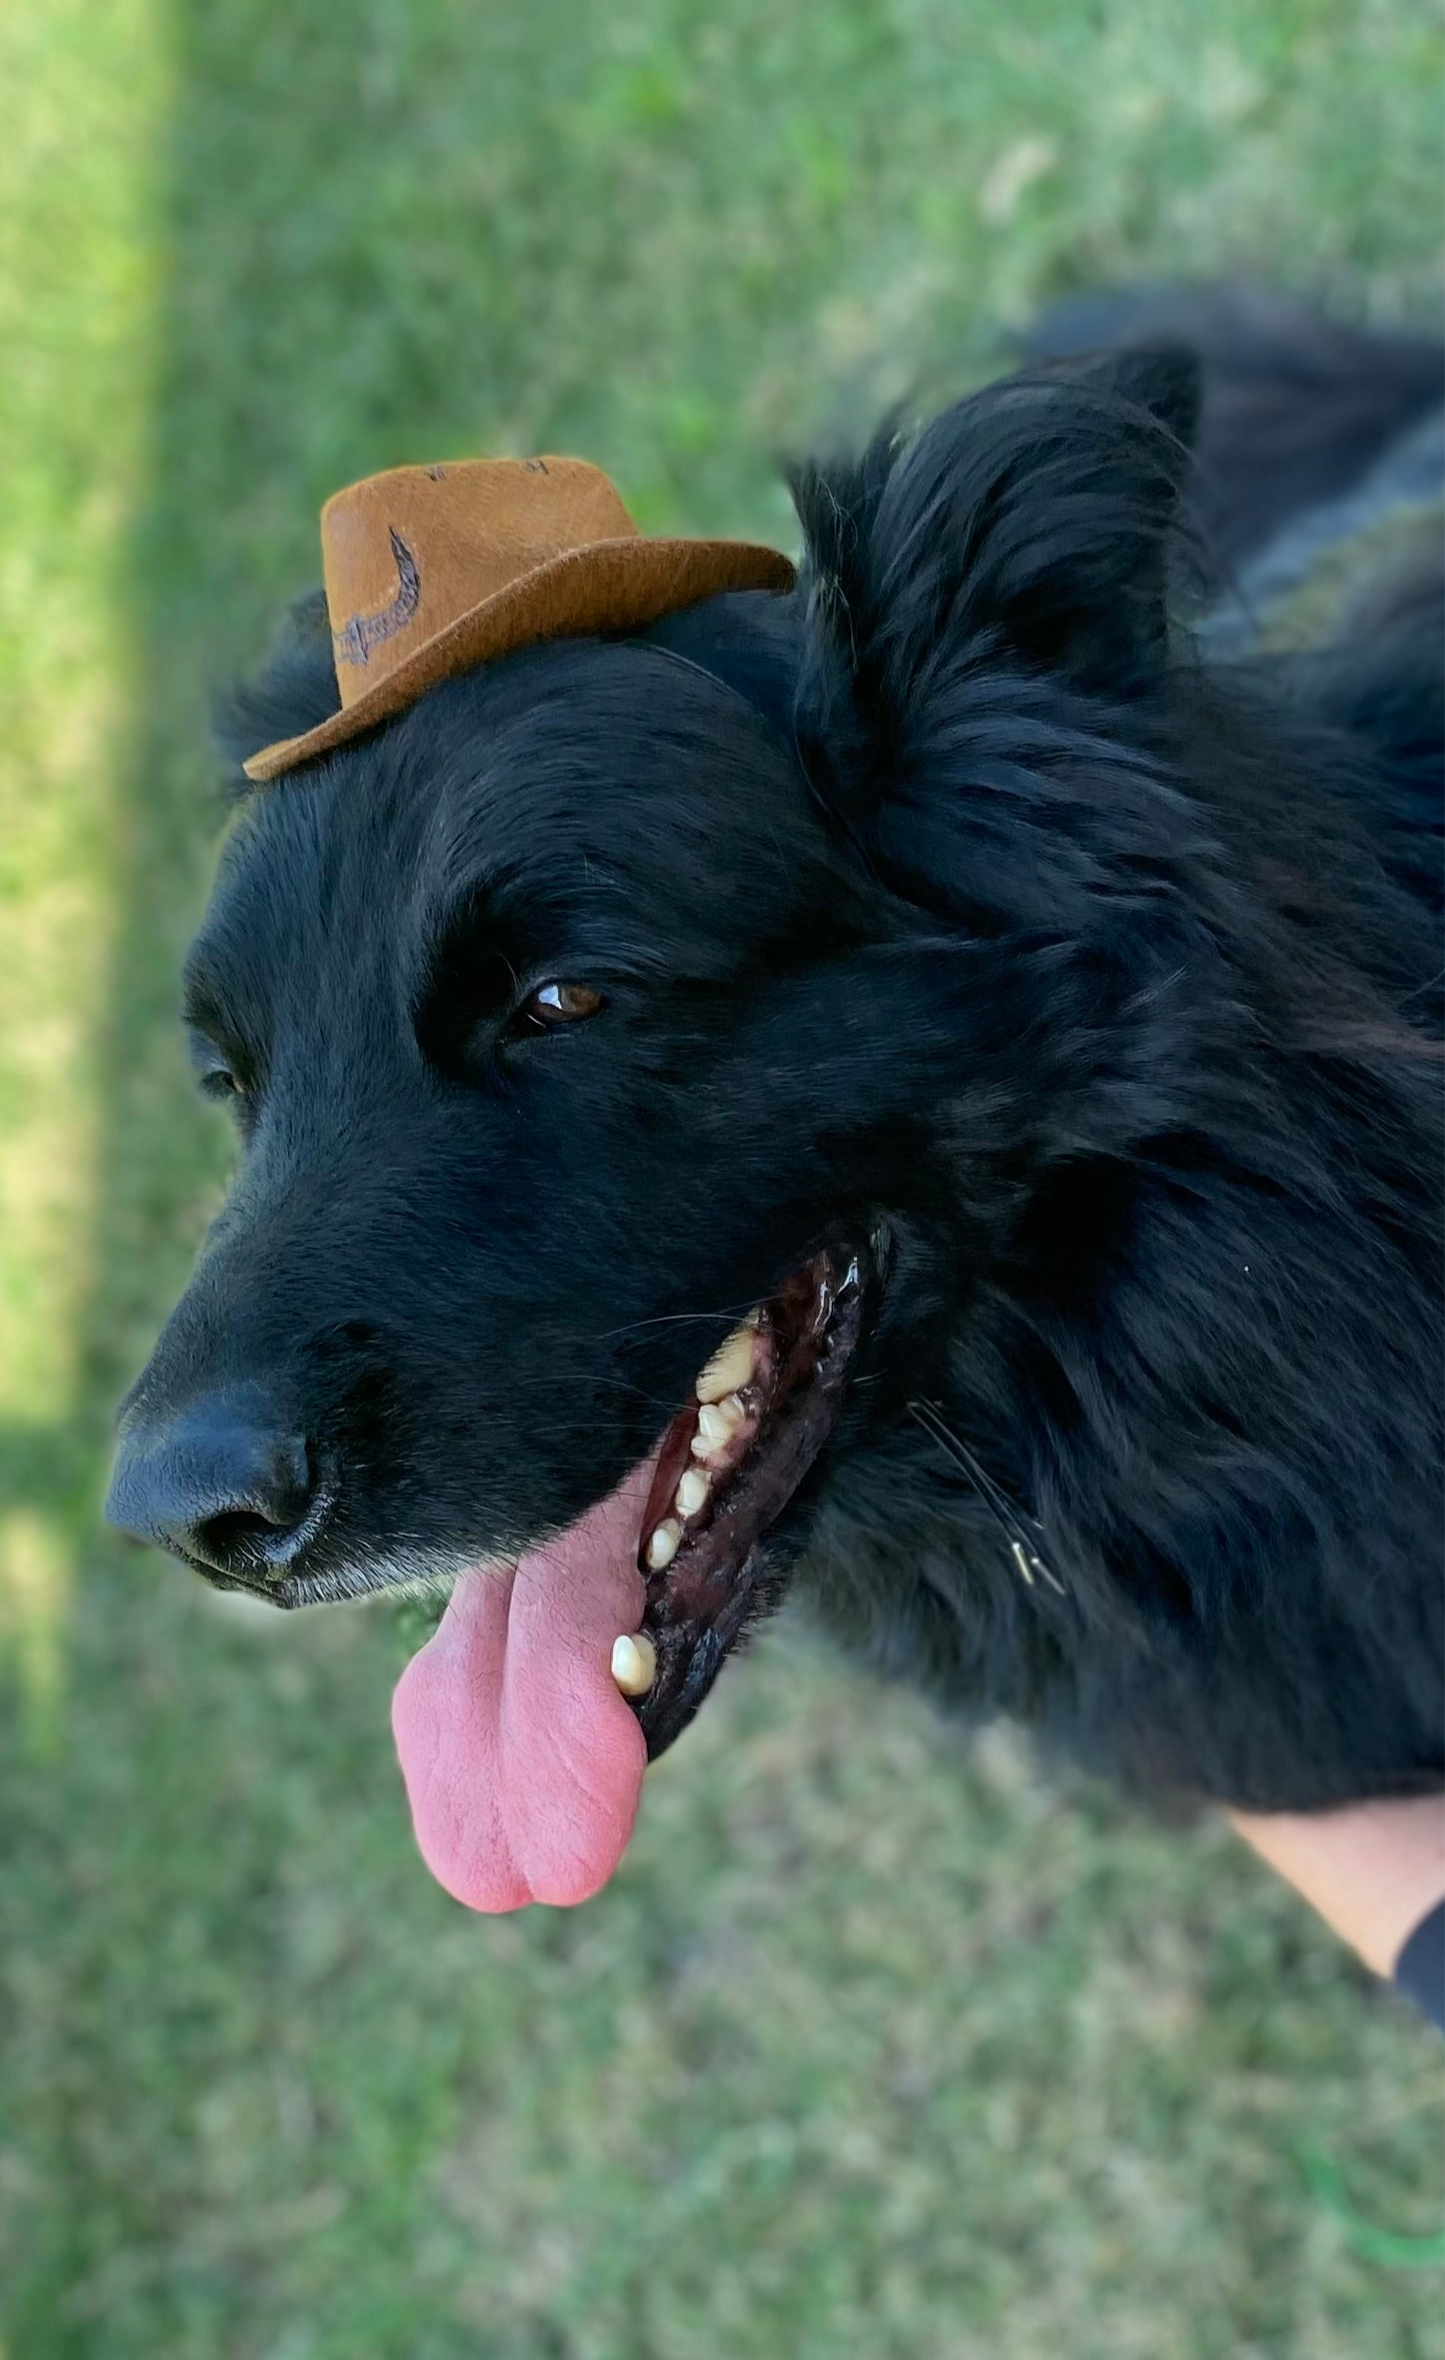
(876, 2045)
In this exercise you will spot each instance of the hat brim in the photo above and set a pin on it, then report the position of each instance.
(608, 586)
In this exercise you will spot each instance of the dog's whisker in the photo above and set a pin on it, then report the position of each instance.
(1010, 1518)
(725, 1319)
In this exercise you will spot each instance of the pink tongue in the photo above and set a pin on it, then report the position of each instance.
(523, 1765)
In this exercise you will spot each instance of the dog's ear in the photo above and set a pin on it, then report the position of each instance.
(1033, 527)
(293, 691)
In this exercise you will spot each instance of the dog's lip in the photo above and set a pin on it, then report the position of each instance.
(344, 1585)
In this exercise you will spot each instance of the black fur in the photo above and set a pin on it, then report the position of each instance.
(958, 893)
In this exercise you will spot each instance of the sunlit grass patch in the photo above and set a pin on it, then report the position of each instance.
(35, 1587)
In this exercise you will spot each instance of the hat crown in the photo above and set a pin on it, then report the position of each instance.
(407, 553)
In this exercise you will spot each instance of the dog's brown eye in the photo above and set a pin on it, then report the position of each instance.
(219, 1082)
(554, 1004)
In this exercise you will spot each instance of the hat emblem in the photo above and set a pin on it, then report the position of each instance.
(364, 632)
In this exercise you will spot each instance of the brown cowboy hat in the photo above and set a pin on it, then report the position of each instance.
(430, 570)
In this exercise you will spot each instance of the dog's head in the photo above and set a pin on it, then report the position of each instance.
(635, 1046)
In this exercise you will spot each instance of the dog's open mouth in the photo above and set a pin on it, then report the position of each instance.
(729, 1465)
(525, 1724)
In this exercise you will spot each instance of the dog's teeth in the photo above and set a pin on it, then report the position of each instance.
(730, 1366)
(717, 1426)
(634, 1663)
(717, 1421)
(692, 1492)
(664, 1544)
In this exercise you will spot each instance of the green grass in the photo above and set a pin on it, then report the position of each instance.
(877, 2045)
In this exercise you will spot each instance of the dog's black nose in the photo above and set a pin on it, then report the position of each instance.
(222, 1485)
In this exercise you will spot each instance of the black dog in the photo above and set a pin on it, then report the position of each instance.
(1025, 1000)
